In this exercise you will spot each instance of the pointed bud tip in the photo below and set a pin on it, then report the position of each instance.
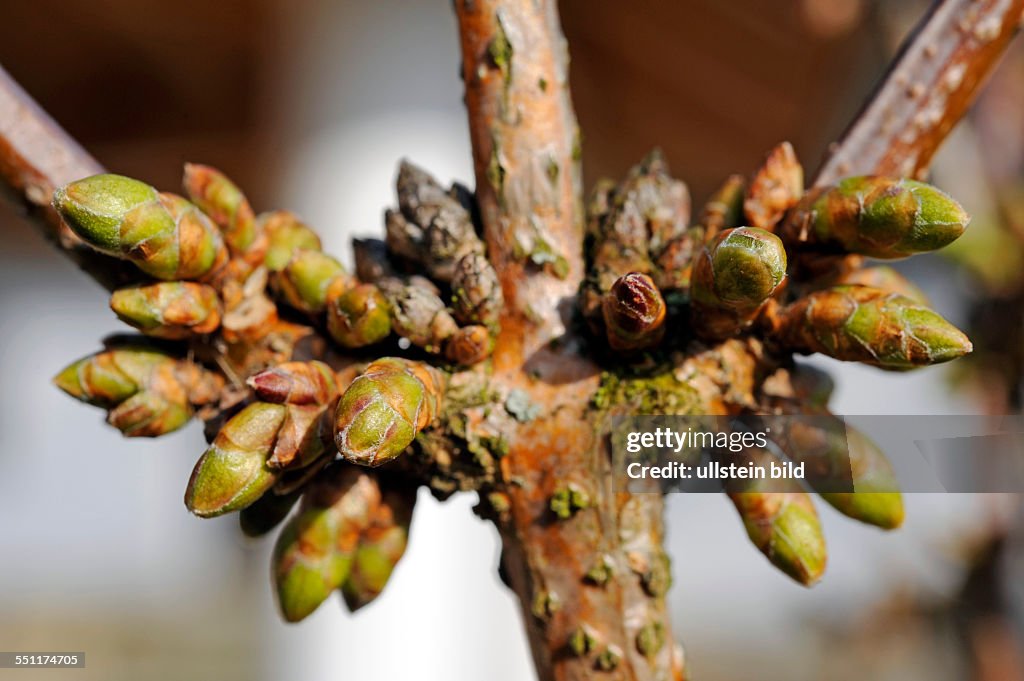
(941, 219)
(68, 379)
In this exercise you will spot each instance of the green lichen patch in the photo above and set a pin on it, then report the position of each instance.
(661, 393)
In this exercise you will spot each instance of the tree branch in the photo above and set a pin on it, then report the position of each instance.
(929, 86)
(526, 153)
(36, 157)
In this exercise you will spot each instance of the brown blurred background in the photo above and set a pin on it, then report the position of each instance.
(145, 84)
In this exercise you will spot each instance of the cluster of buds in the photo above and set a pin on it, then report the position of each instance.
(778, 271)
(235, 298)
(146, 392)
(756, 277)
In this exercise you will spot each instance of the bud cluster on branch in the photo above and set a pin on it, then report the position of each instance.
(241, 304)
(766, 272)
(236, 298)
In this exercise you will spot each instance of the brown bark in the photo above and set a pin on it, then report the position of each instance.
(927, 89)
(525, 151)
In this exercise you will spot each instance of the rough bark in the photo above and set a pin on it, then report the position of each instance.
(928, 88)
(525, 148)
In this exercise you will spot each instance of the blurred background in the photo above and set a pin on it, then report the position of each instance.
(308, 106)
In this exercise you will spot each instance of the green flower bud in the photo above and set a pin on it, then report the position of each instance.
(170, 309)
(359, 317)
(862, 324)
(233, 472)
(307, 278)
(109, 378)
(741, 269)
(147, 392)
(879, 217)
(95, 206)
(162, 234)
(381, 412)
(380, 548)
(224, 202)
(314, 553)
(738, 271)
(285, 234)
(875, 498)
(784, 526)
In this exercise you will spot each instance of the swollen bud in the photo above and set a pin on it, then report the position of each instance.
(314, 552)
(233, 472)
(169, 309)
(147, 393)
(634, 313)
(224, 202)
(162, 234)
(285, 234)
(384, 408)
(784, 526)
(359, 317)
(380, 548)
(308, 277)
(880, 217)
(738, 271)
(862, 324)
(301, 383)
(875, 498)
(95, 206)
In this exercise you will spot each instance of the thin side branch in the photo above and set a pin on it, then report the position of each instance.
(526, 154)
(37, 156)
(927, 90)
